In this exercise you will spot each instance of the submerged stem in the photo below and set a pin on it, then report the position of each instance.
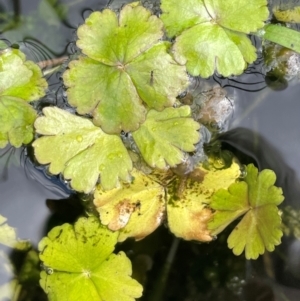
(162, 279)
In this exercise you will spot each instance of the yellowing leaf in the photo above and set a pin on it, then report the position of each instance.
(212, 33)
(259, 229)
(165, 136)
(188, 198)
(20, 81)
(126, 67)
(80, 265)
(136, 209)
(287, 15)
(80, 151)
(8, 236)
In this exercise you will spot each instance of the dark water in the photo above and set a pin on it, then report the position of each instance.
(264, 130)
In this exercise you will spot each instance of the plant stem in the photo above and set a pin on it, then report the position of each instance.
(16, 6)
(160, 284)
(52, 62)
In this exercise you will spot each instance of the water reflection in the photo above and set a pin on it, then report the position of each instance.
(22, 199)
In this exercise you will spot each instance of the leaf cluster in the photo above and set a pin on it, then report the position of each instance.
(136, 209)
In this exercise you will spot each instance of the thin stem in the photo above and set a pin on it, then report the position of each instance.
(52, 62)
(17, 10)
(162, 279)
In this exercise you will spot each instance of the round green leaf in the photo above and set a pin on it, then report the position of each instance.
(20, 78)
(16, 121)
(20, 81)
(79, 264)
(121, 39)
(82, 151)
(212, 33)
(165, 136)
(127, 66)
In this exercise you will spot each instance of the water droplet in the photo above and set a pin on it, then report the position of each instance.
(79, 138)
(111, 156)
(49, 271)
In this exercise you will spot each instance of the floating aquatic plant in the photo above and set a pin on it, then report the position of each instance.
(211, 35)
(79, 264)
(83, 151)
(138, 208)
(256, 199)
(20, 82)
(126, 71)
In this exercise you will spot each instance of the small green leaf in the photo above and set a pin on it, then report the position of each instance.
(257, 196)
(212, 33)
(80, 264)
(82, 151)
(136, 209)
(20, 78)
(16, 121)
(8, 237)
(20, 81)
(127, 66)
(165, 136)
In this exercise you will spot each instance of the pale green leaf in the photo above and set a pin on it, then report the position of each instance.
(260, 228)
(165, 136)
(230, 204)
(127, 66)
(120, 107)
(80, 151)
(20, 81)
(16, 121)
(212, 33)
(136, 209)
(8, 237)
(80, 265)
(121, 39)
(238, 15)
(189, 196)
(191, 12)
(20, 78)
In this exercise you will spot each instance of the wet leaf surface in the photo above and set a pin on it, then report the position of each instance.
(82, 151)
